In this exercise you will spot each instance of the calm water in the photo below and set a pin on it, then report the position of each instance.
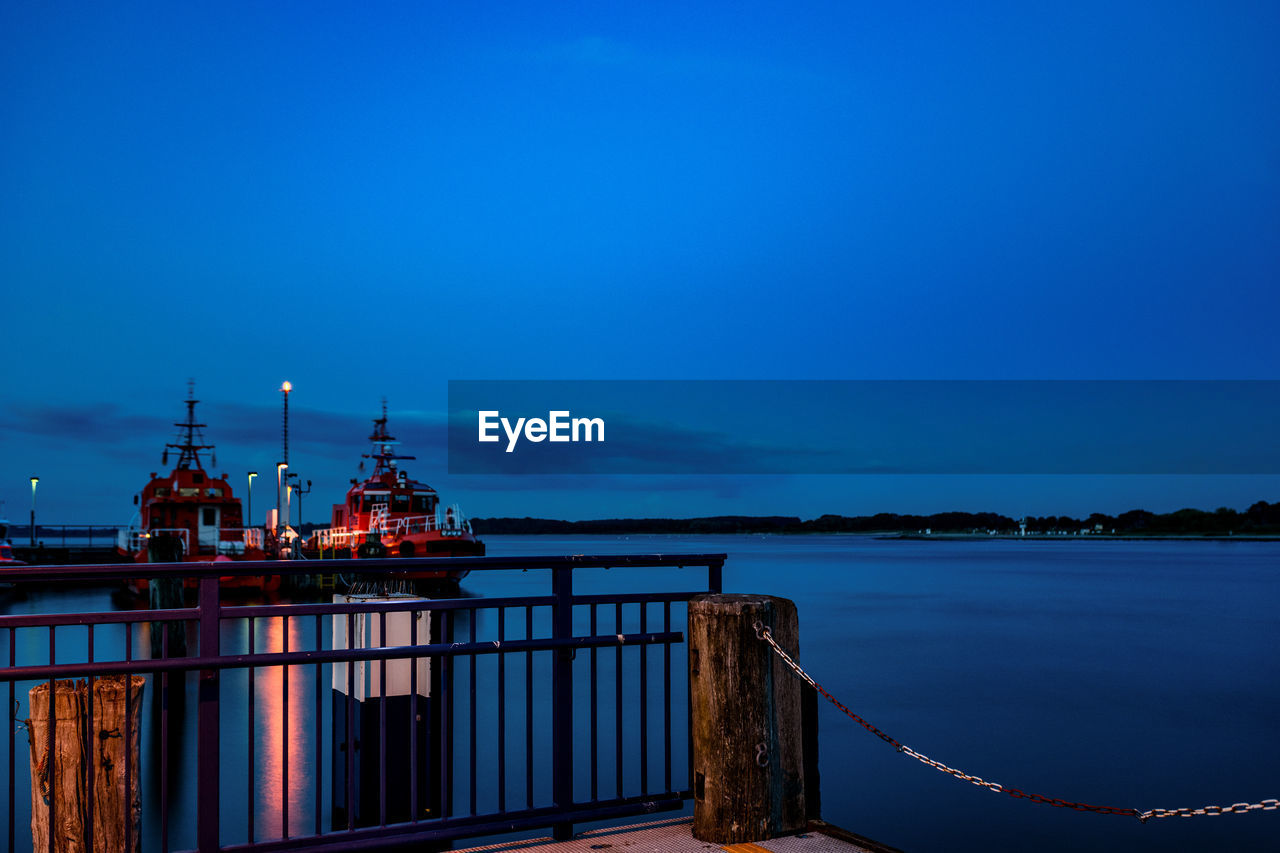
(1135, 674)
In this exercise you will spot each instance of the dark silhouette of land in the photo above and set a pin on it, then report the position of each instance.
(1261, 519)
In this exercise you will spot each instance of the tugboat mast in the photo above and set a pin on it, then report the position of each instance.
(192, 442)
(382, 441)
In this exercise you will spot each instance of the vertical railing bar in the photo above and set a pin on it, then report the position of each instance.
(319, 765)
(128, 765)
(13, 661)
(594, 713)
(688, 711)
(164, 746)
(502, 712)
(472, 722)
(528, 710)
(562, 700)
(351, 741)
(382, 723)
(208, 754)
(128, 752)
(89, 742)
(715, 578)
(413, 720)
(446, 722)
(666, 695)
(617, 700)
(284, 734)
(50, 756)
(644, 702)
(250, 802)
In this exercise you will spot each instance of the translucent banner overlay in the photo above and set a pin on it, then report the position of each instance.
(864, 427)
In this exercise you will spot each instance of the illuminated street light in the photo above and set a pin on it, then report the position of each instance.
(34, 481)
(280, 468)
(285, 389)
(248, 522)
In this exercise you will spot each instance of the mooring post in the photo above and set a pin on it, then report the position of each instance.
(56, 732)
(166, 593)
(117, 783)
(748, 742)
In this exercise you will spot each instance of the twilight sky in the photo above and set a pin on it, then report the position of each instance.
(371, 199)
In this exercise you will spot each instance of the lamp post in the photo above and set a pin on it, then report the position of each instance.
(34, 481)
(280, 468)
(285, 389)
(248, 522)
(299, 491)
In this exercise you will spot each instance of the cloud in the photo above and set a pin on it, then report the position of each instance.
(334, 435)
(103, 422)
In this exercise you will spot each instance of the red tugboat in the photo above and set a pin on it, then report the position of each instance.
(189, 515)
(391, 515)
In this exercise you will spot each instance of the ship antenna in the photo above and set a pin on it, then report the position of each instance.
(381, 452)
(191, 441)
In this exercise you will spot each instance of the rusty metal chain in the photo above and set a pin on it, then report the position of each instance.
(763, 632)
(1238, 808)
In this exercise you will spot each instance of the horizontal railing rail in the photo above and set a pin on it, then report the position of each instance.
(514, 712)
(63, 535)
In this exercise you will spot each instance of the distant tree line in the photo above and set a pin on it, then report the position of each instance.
(1261, 518)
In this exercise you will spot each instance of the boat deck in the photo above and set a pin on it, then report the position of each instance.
(675, 836)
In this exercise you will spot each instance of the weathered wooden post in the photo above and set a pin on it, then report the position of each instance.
(748, 742)
(58, 773)
(116, 793)
(57, 768)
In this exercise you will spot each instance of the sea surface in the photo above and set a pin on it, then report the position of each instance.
(1117, 673)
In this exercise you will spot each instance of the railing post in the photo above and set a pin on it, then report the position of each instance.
(207, 722)
(562, 700)
(715, 577)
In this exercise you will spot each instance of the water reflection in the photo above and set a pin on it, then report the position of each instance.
(285, 735)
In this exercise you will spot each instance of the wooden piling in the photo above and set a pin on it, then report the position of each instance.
(57, 779)
(748, 742)
(113, 743)
(110, 747)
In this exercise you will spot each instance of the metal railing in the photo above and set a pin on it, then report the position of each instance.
(65, 535)
(231, 540)
(446, 521)
(581, 672)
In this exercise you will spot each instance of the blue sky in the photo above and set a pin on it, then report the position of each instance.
(371, 199)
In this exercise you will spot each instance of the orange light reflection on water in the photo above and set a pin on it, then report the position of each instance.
(275, 729)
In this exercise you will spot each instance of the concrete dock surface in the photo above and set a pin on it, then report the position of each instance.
(675, 836)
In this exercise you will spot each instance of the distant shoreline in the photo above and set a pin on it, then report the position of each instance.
(1259, 521)
(1121, 537)
(890, 535)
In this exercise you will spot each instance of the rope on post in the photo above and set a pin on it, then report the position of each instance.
(764, 634)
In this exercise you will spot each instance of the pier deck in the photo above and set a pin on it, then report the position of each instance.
(675, 836)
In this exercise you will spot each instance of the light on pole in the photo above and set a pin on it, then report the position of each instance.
(285, 388)
(248, 522)
(299, 491)
(34, 481)
(280, 468)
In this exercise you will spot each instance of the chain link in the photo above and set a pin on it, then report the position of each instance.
(1238, 808)
(765, 634)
